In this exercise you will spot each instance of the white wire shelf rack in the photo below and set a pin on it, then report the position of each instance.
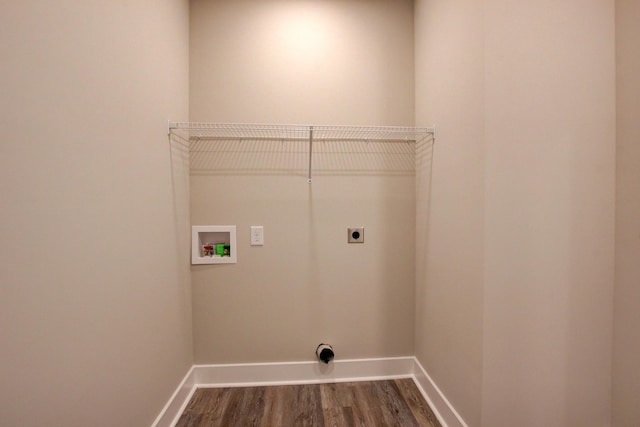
(199, 131)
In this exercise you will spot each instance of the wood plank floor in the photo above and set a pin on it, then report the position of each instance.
(366, 403)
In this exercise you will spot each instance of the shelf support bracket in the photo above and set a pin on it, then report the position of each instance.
(310, 152)
(170, 125)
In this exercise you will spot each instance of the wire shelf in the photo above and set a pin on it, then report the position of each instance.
(193, 132)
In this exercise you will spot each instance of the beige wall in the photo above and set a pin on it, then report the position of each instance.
(331, 62)
(449, 285)
(286, 61)
(94, 299)
(549, 213)
(542, 167)
(626, 349)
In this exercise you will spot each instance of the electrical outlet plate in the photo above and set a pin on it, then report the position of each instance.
(257, 235)
(355, 235)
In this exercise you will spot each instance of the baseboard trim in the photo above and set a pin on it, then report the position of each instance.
(442, 408)
(177, 403)
(281, 373)
(311, 372)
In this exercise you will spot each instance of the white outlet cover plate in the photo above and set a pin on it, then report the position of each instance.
(257, 235)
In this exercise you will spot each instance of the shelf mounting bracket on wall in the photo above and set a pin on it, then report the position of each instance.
(310, 153)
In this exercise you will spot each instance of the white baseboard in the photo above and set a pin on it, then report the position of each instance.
(178, 401)
(253, 374)
(281, 373)
(442, 408)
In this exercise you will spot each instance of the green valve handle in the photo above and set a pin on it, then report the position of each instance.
(220, 249)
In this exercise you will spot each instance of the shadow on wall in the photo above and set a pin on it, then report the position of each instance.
(180, 163)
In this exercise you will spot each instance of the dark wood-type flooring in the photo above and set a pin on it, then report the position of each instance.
(366, 403)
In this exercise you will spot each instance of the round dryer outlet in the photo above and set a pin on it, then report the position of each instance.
(355, 235)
